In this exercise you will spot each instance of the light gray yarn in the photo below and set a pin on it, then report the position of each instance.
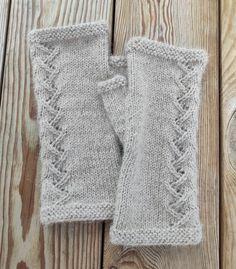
(79, 153)
(156, 201)
(113, 92)
(155, 116)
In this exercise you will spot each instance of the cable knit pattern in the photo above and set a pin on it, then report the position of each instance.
(79, 152)
(157, 190)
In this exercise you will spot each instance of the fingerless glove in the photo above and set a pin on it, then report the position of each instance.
(79, 153)
(156, 201)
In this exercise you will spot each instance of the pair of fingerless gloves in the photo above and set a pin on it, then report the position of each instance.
(118, 134)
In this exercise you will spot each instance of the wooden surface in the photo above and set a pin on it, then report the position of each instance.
(23, 242)
(209, 24)
(228, 133)
(4, 16)
(189, 24)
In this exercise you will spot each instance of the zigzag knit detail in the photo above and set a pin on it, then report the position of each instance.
(68, 32)
(52, 134)
(182, 205)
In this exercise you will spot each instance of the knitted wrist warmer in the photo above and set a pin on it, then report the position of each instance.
(156, 200)
(113, 92)
(80, 156)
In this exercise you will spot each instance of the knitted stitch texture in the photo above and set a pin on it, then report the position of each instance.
(156, 200)
(113, 92)
(79, 153)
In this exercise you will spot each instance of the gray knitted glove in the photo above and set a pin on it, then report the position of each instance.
(156, 201)
(79, 153)
(113, 92)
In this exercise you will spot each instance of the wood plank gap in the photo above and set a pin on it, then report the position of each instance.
(191, 24)
(113, 24)
(23, 241)
(228, 133)
(4, 49)
(220, 140)
(102, 244)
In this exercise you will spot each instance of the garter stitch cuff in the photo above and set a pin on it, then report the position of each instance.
(79, 153)
(46, 35)
(156, 200)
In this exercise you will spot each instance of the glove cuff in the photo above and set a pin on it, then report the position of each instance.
(118, 81)
(67, 32)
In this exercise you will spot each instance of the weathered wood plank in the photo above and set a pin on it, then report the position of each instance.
(189, 24)
(23, 242)
(228, 132)
(4, 12)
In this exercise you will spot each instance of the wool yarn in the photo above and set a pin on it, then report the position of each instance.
(79, 153)
(114, 91)
(156, 200)
(118, 134)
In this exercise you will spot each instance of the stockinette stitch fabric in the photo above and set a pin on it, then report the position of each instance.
(114, 91)
(79, 153)
(156, 201)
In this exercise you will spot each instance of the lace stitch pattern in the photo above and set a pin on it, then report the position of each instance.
(182, 206)
(45, 73)
(164, 209)
(75, 186)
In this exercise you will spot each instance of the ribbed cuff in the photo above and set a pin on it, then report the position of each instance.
(76, 212)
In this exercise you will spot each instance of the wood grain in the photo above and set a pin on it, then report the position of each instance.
(228, 131)
(189, 24)
(24, 243)
(4, 14)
